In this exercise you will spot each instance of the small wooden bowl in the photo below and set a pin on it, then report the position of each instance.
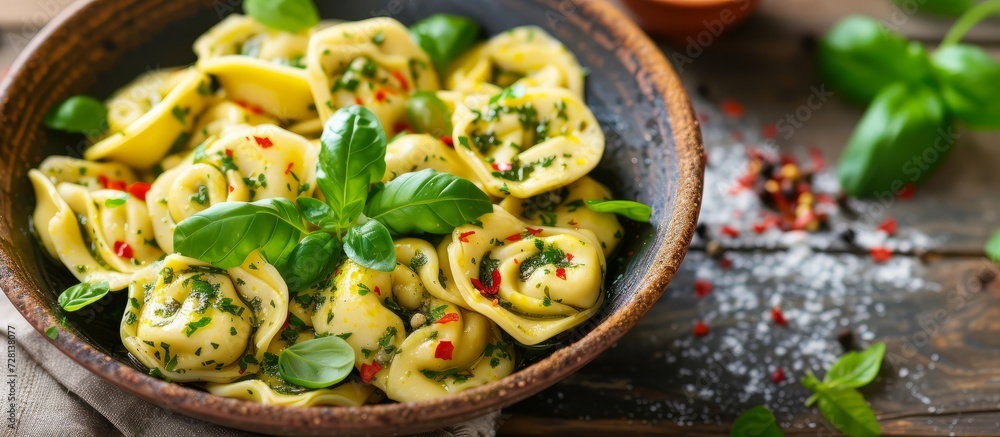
(697, 20)
(654, 155)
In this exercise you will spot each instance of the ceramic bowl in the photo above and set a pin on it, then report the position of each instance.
(654, 155)
(697, 20)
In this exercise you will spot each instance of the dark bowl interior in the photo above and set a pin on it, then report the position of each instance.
(653, 155)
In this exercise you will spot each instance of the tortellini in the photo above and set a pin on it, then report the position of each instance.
(373, 63)
(189, 321)
(99, 234)
(256, 163)
(415, 152)
(224, 117)
(152, 116)
(259, 66)
(533, 282)
(526, 141)
(525, 56)
(565, 208)
(270, 388)
(90, 174)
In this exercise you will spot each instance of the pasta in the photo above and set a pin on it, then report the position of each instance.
(304, 218)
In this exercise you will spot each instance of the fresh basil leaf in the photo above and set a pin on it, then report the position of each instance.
(856, 369)
(226, 233)
(316, 212)
(859, 57)
(993, 247)
(969, 81)
(639, 212)
(903, 136)
(511, 92)
(78, 114)
(352, 157)
(445, 37)
(846, 410)
(427, 201)
(288, 15)
(317, 363)
(428, 114)
(949, 8)
(83, 294)
(371, 246)
(756, 422)
(52, 332)
(312, 260)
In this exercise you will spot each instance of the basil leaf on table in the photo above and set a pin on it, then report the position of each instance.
(310, 261)
(226, 233)
(370, 245)
(859, 57)
(427, 201)
(846, 410)
(445, 37)
(856, 369)
(639, 212)
(757, 422)
(317, 363)
(78, 114)
(288, 15)
(993, 247)
(83, 294)
(951, 8)
(901, 138)
(316, 212)
(351, 158)
(428, 114)
(969, 81)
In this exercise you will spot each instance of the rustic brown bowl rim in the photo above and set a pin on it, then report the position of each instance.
(386, 418)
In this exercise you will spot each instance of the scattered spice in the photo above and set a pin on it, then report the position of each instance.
(123, 250)
(702, 288)
(778, 376)
(729, 231)
(561, 273)
(880, 254)
(444, 350)
(448, 141)
(889, 226)
(733, 109)
(464, 236)
(111, 184)
(700, 329)
(778, 317)
(263, 142)
(450, 317)
(369, 370)
(289, 168)
(139, 190)
(907, 192)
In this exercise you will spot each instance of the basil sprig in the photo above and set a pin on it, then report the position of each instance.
(285, 15)
(78, 114)
(317, 363)
(445, 37)
(757, 421)
(351, 162)
(83, 294)
(838, 400)
(915, 97)
(637, 211)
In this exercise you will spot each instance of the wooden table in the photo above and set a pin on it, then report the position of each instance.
(942, 371)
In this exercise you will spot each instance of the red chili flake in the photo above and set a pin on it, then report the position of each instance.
(700, 329)
(777, 376)
(450, 317)
(464, 236)
(123, 250)
(253, 109)
(488, 291)
(561, 273)
(502, 166)
(889, 226)
(514, 237)
(732, 108)
(139, 190)
(380, 95)
(103, 180)
(769, 131)
(377, 290)
(263, 142)
(572, 223)
(516, 262)
(729, 231)
(819, 164)
(402, 80)
(242, 371)
(778, 317)
(231, 188)
(880, 254)
(702, 288)
(907, 192)
(535, 232)
(111, 184)
(289, 168)
(761, 227)
(725, 263)
(229, 152)
(358, 101)
(369, 370)
(448, 141)
(444, 350)
(569, 257)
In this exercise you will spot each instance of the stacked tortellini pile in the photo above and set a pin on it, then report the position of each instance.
(243, 124)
